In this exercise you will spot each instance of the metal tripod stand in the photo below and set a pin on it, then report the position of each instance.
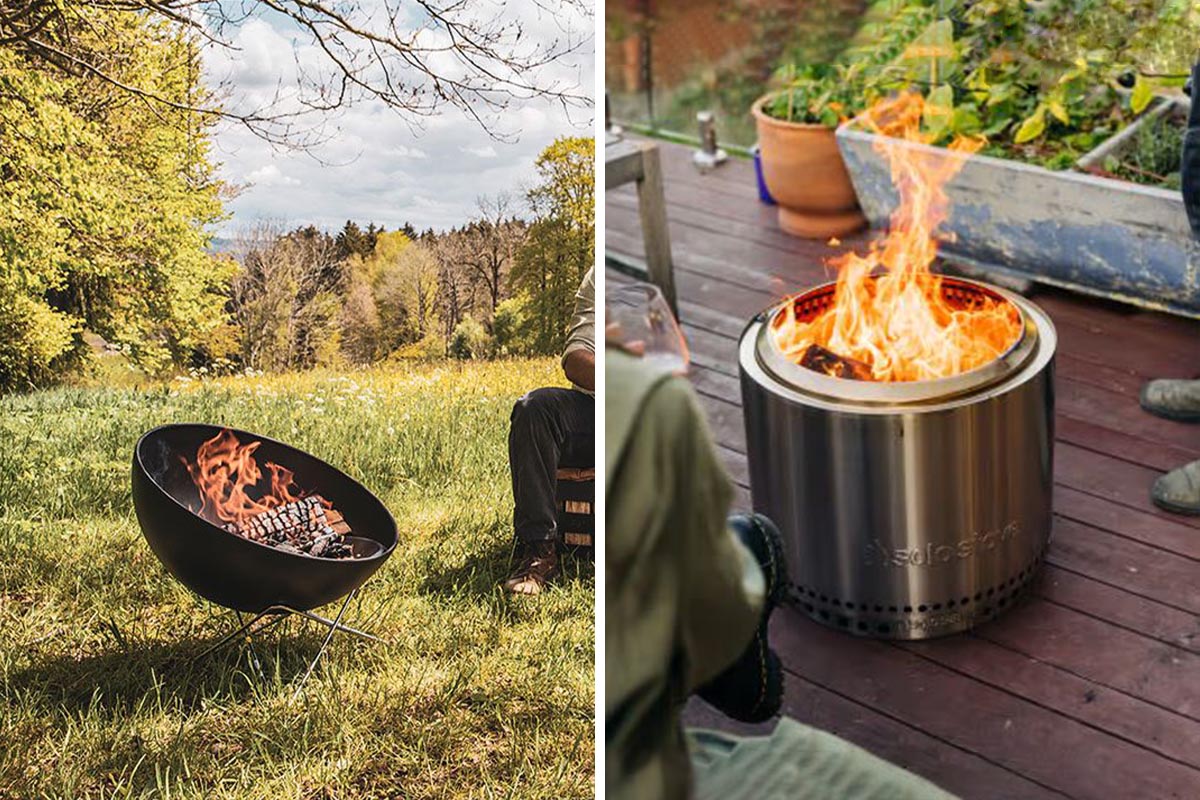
(276, 614)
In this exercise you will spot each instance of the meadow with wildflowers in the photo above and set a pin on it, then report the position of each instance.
(472, 693)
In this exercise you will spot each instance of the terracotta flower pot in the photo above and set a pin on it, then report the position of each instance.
(804, 172)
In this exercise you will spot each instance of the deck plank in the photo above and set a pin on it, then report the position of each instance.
(1038, 743)
(1161, 730)
(1090, 687)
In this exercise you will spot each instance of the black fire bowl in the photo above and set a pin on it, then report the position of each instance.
(233, 571)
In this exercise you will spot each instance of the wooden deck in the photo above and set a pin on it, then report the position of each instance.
(1088, 689)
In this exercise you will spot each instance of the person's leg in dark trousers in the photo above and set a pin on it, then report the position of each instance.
(1189, 172)
(549, 427)
(1179, 489)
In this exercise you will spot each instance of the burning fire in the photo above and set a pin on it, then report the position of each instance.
(225, 471)
(889, 310)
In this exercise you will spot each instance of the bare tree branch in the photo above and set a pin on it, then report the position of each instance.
(417, 57)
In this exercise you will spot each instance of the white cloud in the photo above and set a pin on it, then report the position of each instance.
(270, 175)
(403, 151)
(376, 166)
(481, 151)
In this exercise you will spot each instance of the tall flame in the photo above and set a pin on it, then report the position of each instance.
(889, 310)
(225, 471)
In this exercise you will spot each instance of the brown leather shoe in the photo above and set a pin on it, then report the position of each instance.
(537, 565)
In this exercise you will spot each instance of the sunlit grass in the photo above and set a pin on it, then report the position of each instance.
(472, 693)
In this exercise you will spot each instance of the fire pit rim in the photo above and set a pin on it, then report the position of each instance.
(750, 351)
(1035, 325)
(383, 553)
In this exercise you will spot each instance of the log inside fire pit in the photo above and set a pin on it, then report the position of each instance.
(830, 363)
(310, 525)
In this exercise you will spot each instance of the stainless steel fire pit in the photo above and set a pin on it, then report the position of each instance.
(908, 509)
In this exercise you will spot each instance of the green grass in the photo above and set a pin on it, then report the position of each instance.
(471, 694)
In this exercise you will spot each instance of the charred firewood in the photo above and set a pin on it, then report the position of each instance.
(819, 359)
(309, 526)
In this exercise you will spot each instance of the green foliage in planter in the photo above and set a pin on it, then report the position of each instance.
(1155, 156)
(816, 94)
(1150, 42)
(1038, 80)
(863, 72)
(1041, 77)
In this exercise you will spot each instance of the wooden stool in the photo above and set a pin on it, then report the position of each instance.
(575, 505)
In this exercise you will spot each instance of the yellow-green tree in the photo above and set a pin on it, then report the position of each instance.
(403, 276)
(106, 206)
(560, 245)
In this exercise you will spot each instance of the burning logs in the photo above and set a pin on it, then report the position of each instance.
(819, 359)
(309, 525)
(269, 507)
(890, 310)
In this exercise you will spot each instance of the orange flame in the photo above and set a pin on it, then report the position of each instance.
(889, 310)
(225, 471)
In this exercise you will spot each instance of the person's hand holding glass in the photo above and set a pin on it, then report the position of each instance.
(639, 321)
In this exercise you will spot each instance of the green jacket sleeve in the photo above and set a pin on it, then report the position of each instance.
(721, 585)
(681, 603)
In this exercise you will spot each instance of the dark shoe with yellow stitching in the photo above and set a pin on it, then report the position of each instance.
(751, 689)
(537, 565)
(1179, 490)
(1173, 399)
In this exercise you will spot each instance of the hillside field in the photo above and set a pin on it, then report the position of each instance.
(472, 693)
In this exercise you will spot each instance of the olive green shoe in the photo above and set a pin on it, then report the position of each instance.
(1179, 490)
(1173, 399)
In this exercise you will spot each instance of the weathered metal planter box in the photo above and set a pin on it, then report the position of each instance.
(1106, 237)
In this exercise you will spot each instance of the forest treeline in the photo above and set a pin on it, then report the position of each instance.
(111, 198)
(501, 284)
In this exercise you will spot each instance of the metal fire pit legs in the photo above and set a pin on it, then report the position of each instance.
(278, 613)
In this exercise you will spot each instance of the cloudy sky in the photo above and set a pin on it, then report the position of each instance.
(377, 166)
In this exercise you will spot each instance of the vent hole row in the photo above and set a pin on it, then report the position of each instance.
(987, 596)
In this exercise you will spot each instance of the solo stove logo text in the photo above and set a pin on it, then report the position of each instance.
(879, 554)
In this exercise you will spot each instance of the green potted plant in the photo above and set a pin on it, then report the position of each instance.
(801, 165)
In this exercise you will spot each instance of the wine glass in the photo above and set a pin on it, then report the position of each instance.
(639, 321)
